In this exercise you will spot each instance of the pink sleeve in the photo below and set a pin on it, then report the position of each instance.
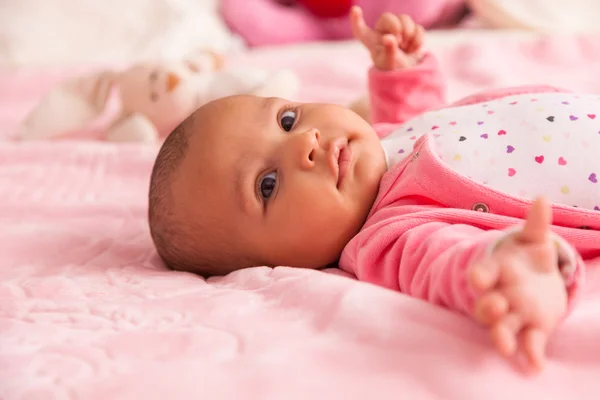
(425, 259)
(397, 96)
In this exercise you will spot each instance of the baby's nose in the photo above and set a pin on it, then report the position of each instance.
(172, 82)
(308, 144)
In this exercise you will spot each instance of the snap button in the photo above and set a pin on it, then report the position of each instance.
(480, 207)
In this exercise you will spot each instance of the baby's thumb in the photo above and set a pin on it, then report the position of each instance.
(360, 30)
(537, 224)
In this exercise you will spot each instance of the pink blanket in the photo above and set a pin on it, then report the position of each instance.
(88, 312)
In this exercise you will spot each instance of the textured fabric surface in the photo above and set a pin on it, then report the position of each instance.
(88, 312)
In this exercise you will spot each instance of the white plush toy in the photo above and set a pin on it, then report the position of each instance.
(154, 97)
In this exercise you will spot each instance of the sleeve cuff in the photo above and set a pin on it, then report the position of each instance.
(567, 257)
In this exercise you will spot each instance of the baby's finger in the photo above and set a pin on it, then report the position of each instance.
(504, 333)
(537, 224)
(393, 57)
(533, 342)
(390, 44)
(360, 30)
(484, 275)
(490, 307)
(417, 41)
(388, 24)
(408, 29)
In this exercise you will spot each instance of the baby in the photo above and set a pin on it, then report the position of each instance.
(453, 206)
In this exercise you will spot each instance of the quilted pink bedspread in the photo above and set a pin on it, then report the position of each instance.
(88, 312)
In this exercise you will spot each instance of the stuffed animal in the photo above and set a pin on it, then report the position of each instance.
(154, 97)
(273, 22)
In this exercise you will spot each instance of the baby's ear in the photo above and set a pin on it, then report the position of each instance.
(68, 107)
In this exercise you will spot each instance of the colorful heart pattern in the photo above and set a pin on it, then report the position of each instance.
(507, 137)
(562, 161)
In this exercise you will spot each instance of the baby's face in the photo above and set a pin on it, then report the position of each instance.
(283, 183)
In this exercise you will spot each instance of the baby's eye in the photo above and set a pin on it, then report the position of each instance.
(267, 185)
(287, 120)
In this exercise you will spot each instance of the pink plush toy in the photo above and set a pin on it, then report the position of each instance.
(154, 97)
(272, 22)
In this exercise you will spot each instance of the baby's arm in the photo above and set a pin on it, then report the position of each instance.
(397, 96)
(510, 281)
(525, 282)
(402, 82)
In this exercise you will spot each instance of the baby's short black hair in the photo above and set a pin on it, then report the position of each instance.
(169, 237)
(184, 245)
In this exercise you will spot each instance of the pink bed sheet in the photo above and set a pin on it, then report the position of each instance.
(88, 312)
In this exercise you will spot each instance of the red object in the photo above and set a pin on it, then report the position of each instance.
(327, 8)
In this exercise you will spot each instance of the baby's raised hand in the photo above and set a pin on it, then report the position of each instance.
(394, 43)
(523, 292)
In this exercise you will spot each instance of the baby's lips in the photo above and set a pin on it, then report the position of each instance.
(333, 154)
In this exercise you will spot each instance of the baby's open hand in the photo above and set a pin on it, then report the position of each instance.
(524, 294)
(394, 43)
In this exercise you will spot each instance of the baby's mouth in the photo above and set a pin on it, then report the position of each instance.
(341, 157)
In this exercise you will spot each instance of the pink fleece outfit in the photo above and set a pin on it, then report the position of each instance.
(443, 204)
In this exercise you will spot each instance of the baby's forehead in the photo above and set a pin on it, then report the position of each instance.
(232, 119)
(234, 105)
(220, 131)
